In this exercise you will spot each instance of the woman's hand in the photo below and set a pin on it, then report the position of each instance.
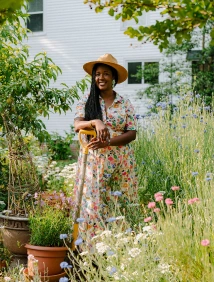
(102, 131)
(95, 144)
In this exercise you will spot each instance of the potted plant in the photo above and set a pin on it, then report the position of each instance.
(46, 224)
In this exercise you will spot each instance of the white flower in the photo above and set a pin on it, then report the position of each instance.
(163, 267)
(119, 235)
(134, 252)
(7, 278)
(147, 228)
(102, 248)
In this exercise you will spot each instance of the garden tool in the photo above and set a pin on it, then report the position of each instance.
(80, 188)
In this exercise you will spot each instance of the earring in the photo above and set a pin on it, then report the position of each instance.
(113, 83)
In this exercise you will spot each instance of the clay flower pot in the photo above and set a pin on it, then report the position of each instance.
(49, 259)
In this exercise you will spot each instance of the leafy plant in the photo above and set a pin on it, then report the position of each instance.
(59, 146)
(46, 224)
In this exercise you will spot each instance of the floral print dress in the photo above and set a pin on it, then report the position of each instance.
(110, 171)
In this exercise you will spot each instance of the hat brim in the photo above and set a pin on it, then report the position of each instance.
(122, 72)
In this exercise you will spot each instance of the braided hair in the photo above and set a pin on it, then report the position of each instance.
(92, 106)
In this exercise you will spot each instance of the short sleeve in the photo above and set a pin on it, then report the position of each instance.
(130, 116)
(80, 108)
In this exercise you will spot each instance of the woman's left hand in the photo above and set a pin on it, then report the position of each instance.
(96, 143)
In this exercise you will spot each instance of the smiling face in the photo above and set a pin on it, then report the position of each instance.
(104, 77)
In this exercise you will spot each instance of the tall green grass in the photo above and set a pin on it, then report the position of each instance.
(176, 149)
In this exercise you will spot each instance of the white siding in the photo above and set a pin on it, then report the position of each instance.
(75, 34)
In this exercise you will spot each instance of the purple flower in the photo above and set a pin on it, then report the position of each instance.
(117, 193)
(113, 270)
(63, 279)
(80, 219)
(63, 236)
(78, 242)
(194, 173)
(111, 219)
(63, 264)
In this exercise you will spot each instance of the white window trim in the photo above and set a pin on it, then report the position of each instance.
(44, 32)
(142, 84)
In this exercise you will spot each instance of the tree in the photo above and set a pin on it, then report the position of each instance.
(180, 18)
(8, 8)
(25, 92)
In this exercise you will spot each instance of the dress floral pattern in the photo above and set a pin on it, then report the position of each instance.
(110, 171)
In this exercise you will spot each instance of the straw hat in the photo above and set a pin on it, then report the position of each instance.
(109, 60)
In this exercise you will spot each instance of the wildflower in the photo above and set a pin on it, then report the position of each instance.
(159, 198)
(137, 116)
(151, 205)
(194, 173)
(175, 188)
(168, 202)
(143, 162)
(63, 236)
(78, 242)
(80, 219)
(192, 201)
(208, 179)
(117, 193)
(156, 210)
(158, 194)
(149, 107)
(110, 253)
(196, 151)
(63, 279)
(129, 230)
(134, 252)
(102, 248)
(63, 264)
(147, 219)
(164, 267)
(111, 219)
(6, 278)
(184, 125)
(205, 242)
(197, 96)
(112, 270)
(147, 228)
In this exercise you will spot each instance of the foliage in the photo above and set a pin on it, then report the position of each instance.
(59, 146)
(8, 9)
(180, 18)
(175, 148)
(25, 94)
(46, 224)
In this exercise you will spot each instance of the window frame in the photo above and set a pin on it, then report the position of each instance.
(39, 33)
(142, 61)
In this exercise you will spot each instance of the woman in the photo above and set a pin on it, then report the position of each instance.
(111, 169)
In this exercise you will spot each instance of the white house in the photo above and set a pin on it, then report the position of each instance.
(72, 34)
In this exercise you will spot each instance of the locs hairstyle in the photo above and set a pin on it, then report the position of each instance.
(92, 106)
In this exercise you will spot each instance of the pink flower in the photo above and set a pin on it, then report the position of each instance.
(158, 194)
(175, 188)
(151, 205)
(192, 201)
(168, 201)
(156, 210)
(205, 242)
(159, 198)
(147, 219)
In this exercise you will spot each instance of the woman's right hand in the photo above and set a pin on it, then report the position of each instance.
(102, 131)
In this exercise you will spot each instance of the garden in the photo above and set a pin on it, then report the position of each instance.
(166, 236)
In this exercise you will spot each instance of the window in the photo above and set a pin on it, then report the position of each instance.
(143, 72)
(35, 21)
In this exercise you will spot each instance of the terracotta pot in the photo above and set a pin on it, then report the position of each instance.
(52, 278)
(15, 234)
(49, 259)
(3, 264)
